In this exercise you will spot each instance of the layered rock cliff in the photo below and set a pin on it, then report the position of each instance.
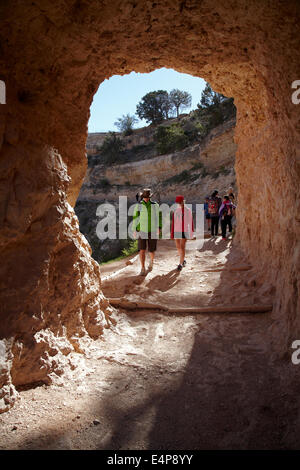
(214, 155)
(194, 171)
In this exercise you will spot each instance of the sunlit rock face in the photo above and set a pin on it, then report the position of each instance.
(195, 171)
(217, 151)
(53, 57)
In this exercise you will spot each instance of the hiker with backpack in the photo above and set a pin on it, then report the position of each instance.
(207, 214)
(231, 195)
(214, 204)
(148, 220)
(182, 228)
(226, 212)
(233, 200)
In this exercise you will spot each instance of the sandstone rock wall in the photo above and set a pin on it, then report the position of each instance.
(210, 164)
(154, 170)
(141, 136)
(219, 149)
(94, 141)
(216, 151)
(54, 55)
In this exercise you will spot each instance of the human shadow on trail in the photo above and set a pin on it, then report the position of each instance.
(112, 288)
(228, 394)
(164, 282)
(231, 393)
(215, 245)
(228, 397)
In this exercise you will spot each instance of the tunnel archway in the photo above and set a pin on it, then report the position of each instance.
(53, 59)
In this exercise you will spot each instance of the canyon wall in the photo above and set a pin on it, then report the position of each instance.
(54, 55)
(216, 151)
(204, 165)
(196, 171)
(142, 136)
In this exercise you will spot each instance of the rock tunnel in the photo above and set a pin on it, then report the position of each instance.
(54, 55)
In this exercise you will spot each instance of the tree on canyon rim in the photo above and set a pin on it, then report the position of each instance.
(180, 99)
(209, 97)
(154, 107)
(126, 123)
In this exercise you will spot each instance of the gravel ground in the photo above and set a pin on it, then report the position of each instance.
(162, 381)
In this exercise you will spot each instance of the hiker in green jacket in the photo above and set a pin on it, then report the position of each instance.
(147, 228)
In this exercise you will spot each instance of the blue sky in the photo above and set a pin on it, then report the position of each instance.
(120, 94)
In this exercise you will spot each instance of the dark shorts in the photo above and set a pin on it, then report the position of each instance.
(152, 243)
(207, 216)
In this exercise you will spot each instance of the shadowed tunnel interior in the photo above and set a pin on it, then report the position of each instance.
(53, 58)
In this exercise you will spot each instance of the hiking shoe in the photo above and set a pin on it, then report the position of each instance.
(184, 263)
(179, 267)
(143, 272)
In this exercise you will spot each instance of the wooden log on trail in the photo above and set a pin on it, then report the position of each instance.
(130, 305)
(229, 309)
(225, 269)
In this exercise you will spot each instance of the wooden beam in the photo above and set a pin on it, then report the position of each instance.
(130, 305)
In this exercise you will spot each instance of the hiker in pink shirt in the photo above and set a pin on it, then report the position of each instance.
(182, 228)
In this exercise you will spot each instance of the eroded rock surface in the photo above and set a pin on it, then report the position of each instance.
(215, 153)
(54, 55)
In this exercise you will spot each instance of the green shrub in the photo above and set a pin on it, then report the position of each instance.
(183, 176)
(215, 175)
(112, 148)
(204, 172)
(197, 166)
(170, 139)
(188, 176)
(224, 171)
(193, 129)
(103, 184)
(221, 171)
(214, 114)
(131, 249)
(216, 117)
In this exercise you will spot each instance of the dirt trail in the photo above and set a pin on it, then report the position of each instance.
(169, 381)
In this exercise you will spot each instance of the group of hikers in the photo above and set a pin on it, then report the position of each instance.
(182, 227)
(217, 211)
